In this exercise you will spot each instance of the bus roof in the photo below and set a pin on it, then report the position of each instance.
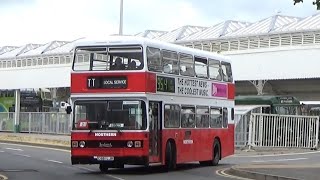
(266, 100)
(121, 40)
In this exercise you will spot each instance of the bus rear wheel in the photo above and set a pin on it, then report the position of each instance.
(170, 158)
(216, 155)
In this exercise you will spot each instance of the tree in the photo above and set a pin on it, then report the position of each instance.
(317, 3)
(297, 1)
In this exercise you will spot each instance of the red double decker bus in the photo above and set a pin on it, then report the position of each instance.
(141, 101)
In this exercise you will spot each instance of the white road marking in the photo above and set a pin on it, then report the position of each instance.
(12, 170)
(84, 168)
(274, 155)
(38, 147)
(54, 161)
(222, 173)
(277, 160)
(114, 177)
(91, 170)
(14, 149)
(3, 177)
(1, 151)
(24, 155)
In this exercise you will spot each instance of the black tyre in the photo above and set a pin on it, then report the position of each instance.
(216, 153)
(170, 161)
(103, 168)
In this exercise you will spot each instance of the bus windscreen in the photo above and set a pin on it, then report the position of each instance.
(111, 115)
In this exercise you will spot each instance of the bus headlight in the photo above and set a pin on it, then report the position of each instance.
(129, 144)
(137, 144)
(82, 144)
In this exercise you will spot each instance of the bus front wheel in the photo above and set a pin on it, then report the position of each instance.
(170, 158)
(103, 168)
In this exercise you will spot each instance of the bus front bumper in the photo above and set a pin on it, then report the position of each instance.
(113, 161)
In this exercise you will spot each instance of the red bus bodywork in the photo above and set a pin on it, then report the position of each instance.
(186, 151)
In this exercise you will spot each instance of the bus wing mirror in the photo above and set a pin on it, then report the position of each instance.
(68, 109)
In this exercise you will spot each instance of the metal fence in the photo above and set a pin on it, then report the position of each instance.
(242, 119)
(7, 122)
(269, 130)
(252, 129)
(241, 130)
(37, 122)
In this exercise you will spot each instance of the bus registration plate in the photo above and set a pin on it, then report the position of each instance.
(104, 158)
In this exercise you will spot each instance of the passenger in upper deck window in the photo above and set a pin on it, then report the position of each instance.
(189, 71)
(132, 65)
(222, 76)
(118, 64)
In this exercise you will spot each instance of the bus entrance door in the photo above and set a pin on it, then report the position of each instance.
(154, 129)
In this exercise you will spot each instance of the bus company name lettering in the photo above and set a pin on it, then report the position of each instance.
(114, 82)
(105, 134)
(193, 87)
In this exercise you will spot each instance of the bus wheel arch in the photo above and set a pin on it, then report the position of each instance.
(216, 148)
(170, 155)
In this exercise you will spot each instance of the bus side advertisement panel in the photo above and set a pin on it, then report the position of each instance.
(189, 86)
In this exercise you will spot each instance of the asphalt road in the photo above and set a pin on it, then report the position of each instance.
(29, 163)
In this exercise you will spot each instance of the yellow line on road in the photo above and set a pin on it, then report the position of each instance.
(3, 177)
(221, 172)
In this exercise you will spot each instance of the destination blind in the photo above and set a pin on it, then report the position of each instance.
(101, 82)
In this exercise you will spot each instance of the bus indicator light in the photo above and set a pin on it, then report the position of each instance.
(137, 144)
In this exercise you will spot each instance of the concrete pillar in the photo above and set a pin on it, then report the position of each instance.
(259, 85)
(17, 111)
(54, 97)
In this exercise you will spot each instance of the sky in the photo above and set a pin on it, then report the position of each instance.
(42, 21)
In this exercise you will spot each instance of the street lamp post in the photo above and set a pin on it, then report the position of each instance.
(121, 18)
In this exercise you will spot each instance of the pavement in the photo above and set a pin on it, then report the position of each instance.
(46, 140)
(267, 169)
(277, 171)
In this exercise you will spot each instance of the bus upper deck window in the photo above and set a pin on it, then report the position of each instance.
(108, 58)
(214, 66)
(201, 67)
(154, 60)
(186, 65)
(226, 69)
(170, 62)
